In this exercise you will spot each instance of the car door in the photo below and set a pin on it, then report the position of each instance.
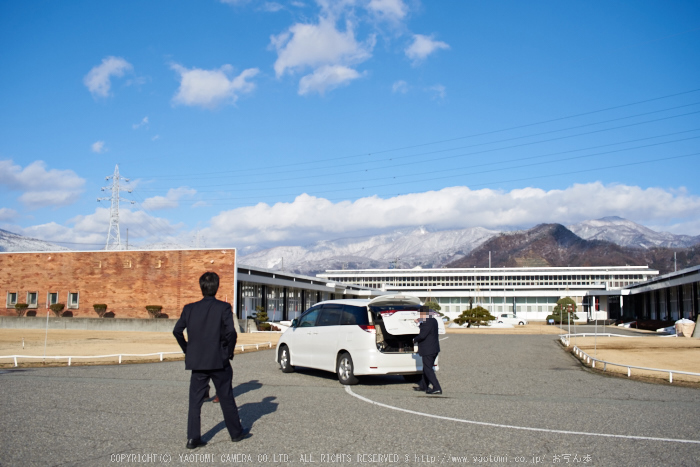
(303, 338)
(325, 342)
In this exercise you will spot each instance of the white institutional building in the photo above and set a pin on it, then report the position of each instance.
(530, 292)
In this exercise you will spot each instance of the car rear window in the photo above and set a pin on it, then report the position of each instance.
(354, 315)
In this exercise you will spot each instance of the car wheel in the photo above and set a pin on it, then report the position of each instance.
(521, 323)
(285, 362)
(412, 378)
(345, 369)
(500, 322)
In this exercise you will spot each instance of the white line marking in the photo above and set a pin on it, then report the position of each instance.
(444, 338)
(513, 427)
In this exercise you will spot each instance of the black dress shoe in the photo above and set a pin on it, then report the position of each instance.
(193, 443)
(244, 434)
(418, 388)
(434, 391)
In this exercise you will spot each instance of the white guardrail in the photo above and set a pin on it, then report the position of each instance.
(71, 358)
(565, 339)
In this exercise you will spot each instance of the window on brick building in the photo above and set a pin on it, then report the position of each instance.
(11, 299)
(32, 299)
(51, 298)
(73, 298)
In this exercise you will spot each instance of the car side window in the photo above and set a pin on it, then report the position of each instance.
(354, 315)
(330, 315)
(309, 318)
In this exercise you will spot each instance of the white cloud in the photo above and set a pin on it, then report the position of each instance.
(7, 214)
(400, 86)
(439, 91)
(308, 218)
(41, 187)
(329, 52)
(272, 7)
(89, 232)
(315, 45)
(327, 78)
(156, 137)
(423, 46)
(390, 9)
(98, 147)
(209, 88)
(142, 123)
(98, 80)
(170, 200)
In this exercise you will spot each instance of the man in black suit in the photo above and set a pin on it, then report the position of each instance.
(428, 349)
(211, 341)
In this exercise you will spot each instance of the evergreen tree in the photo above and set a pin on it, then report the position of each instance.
(560, 314)
(478, 316)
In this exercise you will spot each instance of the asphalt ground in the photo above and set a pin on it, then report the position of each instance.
(536, 404)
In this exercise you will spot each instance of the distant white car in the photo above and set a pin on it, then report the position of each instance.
(510, 318)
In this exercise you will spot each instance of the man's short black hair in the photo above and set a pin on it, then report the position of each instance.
(209, 283)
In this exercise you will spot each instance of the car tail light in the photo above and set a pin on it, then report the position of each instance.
(368, 328)
(388, 312)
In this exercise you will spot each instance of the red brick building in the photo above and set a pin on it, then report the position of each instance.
(126, 281)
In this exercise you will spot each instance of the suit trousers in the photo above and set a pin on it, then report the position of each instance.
(429, 376)
(199, 386)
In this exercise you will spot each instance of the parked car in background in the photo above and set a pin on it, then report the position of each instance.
(355, 337)
(510, 318)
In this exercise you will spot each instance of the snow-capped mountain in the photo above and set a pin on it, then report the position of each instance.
(419, 247)
(12, 242)
(627, 233)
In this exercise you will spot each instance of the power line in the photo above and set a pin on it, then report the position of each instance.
(473, 154)
(606, 109)
(451, 176)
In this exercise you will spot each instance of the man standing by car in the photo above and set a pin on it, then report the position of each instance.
(428, 349)
(211, 339)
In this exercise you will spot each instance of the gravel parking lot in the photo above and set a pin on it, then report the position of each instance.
(507, 399)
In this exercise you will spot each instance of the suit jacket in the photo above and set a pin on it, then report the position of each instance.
(211, 336)
(427, 339)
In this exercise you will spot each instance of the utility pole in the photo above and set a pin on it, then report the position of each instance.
(113, 238)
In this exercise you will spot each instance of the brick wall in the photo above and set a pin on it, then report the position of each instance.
(126, 281)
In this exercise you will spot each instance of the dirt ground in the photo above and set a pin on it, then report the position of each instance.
(75, 343)
(669, 353)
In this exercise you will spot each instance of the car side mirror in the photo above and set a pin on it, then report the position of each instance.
(294, 323)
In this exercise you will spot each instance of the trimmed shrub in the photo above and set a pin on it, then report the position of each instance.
(261, 315)
(100, 309)
(57, 309)
(21, 308)
(153, 310)
(478, 316)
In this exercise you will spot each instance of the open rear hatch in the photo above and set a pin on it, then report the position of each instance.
(394, 320)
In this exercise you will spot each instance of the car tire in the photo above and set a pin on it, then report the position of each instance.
(521, 324)
(500, 322)
(285, 360)
(346, 369)
(412, 378)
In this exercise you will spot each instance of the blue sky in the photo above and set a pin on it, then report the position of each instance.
(260, 123)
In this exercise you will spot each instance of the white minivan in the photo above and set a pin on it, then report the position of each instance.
(356, 337)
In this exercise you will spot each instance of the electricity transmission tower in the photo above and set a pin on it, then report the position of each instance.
(113, 238)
